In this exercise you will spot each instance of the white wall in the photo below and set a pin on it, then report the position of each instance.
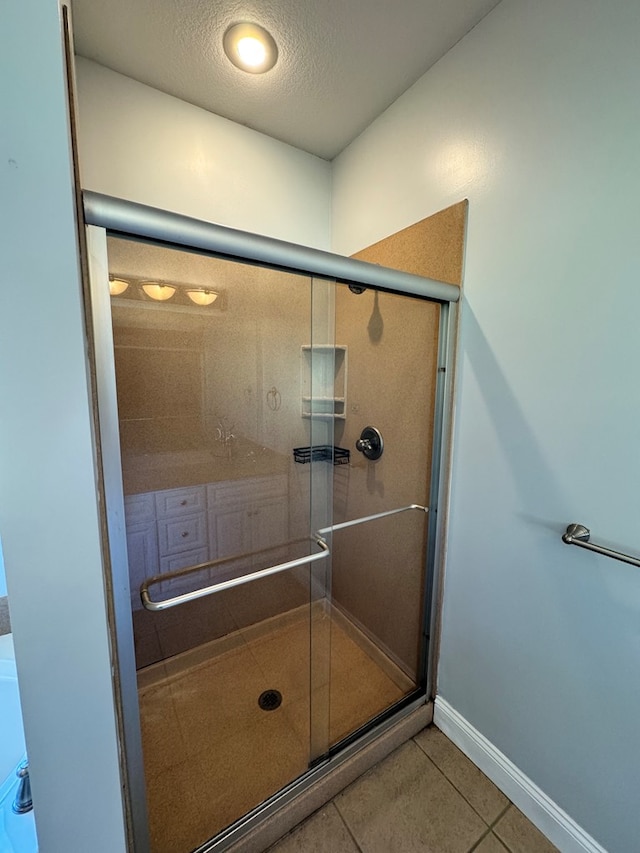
(48, 503)
(140, 144)
(534, 117)
(3, 578)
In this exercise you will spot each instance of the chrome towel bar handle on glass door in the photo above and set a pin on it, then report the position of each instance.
(323, 552)
(578, 534)
(185, 597)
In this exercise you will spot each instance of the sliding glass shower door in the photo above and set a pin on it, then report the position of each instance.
(380, 525)
(273, 449)
(226, 575)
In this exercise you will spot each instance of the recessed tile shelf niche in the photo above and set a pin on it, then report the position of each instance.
(323, 381)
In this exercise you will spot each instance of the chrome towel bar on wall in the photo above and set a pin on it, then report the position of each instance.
(578, 534)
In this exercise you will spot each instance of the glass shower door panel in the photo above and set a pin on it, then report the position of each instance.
(317, 385)
(209, 407)
(378, 567)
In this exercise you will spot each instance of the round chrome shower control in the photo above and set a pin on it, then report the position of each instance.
(370, 443)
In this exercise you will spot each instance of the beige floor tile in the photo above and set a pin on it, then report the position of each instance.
(490, 844)
(520, 835)
(406, 804)
(324, 832)
(474, 786)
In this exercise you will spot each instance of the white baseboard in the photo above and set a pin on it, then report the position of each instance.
(550, 819)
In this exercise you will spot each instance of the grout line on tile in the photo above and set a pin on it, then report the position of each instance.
(501, 815)
(453, 785)
(345, 824)
(477, 843)
(490, 830)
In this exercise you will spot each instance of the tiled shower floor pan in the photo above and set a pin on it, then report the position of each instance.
(211, 753)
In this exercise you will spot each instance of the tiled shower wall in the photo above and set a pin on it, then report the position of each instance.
(393, 345)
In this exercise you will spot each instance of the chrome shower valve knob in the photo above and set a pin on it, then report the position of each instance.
(370, 443)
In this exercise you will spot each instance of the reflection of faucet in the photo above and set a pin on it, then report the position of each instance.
(225, 436)
(23, 802)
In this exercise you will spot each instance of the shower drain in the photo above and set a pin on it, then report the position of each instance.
(270, 700)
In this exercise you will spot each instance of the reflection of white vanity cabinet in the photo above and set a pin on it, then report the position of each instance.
(175, 528)
(246, 516)
(182, 527)
(142, 541)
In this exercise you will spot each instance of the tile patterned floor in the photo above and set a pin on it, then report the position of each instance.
(426, 796)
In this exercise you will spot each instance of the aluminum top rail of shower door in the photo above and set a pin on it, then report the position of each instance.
(185, 597)
(129, 217)
(333, 527)
(578, 534)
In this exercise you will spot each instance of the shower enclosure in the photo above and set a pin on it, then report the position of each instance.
(271, 564)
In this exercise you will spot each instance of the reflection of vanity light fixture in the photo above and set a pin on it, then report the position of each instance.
(202, 297)
(117, 286)
(157, 291)
(250, 47)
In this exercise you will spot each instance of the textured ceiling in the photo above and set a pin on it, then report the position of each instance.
(341, 62)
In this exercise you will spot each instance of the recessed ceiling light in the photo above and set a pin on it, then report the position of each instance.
(250, 47)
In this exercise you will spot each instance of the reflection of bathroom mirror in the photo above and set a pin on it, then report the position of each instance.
(182, 368)
(160, 382)
(151, 381)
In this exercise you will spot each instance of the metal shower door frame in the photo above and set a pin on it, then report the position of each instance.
(109, 216)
